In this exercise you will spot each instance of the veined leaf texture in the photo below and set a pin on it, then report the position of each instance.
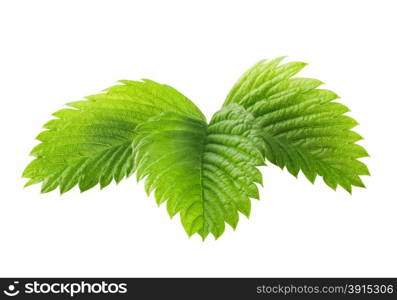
(204, 171)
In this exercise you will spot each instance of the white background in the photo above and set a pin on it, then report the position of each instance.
(54, 52)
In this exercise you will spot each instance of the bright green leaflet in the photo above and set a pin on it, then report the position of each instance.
(302, 126)
(205, 172)
(90, 142)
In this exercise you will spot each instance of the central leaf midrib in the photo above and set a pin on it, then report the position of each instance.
(203, 146)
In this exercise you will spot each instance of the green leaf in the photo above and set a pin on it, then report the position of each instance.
(207, 173)
(91, 141)
(303, 128)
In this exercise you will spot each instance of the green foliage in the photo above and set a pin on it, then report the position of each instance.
(206, 172)
(90, 141)
(302, 126)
